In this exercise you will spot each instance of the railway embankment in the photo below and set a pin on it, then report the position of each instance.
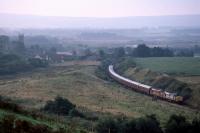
(160, 80)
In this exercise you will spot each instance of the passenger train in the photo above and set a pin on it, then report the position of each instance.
(146, 89)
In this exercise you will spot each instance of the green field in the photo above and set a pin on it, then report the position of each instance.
(171, 65)
(81, 86)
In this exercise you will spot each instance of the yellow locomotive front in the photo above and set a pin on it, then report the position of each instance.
(179, 99)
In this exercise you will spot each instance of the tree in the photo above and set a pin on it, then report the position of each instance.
(101, 54)
(20, 47)
(52, 53)
(119, 52)
(142, 51)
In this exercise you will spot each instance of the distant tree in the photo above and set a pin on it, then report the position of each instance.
(4, 41)
(52, 53)
(157, 52)
(161, 52)
(142, 51)
(119, 52)
(20, 46)
(185, 53)
(102, 54)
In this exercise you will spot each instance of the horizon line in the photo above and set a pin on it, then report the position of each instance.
(37, 15)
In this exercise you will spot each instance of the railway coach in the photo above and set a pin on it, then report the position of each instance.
(146, 89)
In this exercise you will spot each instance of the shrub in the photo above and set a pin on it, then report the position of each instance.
(195, 127)
(177, 124)
(74, 112)
(107, 125)
(59, 106)
(148, 124)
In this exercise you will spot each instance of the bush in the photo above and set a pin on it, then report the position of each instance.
(107, 125)
(74, 112)
(177, 124)
(9, 105)
(195, 127)
(148, 124)
(59, 106)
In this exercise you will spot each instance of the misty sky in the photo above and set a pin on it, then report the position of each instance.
(100, 8)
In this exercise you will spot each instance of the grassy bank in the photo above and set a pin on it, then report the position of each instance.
(81, 86)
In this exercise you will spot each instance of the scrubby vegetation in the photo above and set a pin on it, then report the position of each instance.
(16, 119)
(62, 106)
(59, 106)
(147, 124)
(10, 124)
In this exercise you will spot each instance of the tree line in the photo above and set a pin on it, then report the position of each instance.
(142, 50)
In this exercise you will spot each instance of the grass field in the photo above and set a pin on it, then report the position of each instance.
(79, 84)
(171, 65)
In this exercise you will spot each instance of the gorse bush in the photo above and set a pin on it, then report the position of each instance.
(59, 106)
(62, 106)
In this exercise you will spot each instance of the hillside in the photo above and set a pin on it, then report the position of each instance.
(77, 82)
(178, 74)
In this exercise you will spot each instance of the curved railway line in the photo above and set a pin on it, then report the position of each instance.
(142, 88)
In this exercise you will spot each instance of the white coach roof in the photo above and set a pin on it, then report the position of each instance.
(111, 70)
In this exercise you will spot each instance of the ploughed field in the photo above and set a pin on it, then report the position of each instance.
(77, 82)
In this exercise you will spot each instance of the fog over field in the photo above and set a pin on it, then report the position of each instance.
(31, 21)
